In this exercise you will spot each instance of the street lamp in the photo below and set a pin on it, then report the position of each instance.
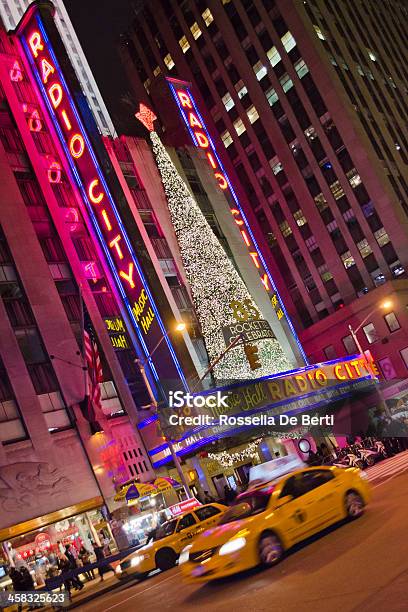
(180, 327)
(386, 305)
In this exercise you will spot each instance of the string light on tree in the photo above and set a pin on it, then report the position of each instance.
(227, 460)
(215, 283)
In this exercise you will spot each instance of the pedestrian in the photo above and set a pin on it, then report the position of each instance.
(84, 556)
(77, 584)
(18, 583)
(229, 495)
(99, 554)
(63, 566)
(207, 498)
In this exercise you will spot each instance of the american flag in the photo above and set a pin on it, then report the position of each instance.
(91, 405)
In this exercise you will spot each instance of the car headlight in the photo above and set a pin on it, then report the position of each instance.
(118, 569)
(184, 555)
(136, 560)
(232, 546)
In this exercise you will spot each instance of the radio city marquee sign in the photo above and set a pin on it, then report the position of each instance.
(202, 139)
(93, 188)
(294, 392)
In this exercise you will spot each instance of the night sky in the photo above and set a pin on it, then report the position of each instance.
(98, 24)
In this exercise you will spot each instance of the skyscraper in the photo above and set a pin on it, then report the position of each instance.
(11, 12)
(306, 104)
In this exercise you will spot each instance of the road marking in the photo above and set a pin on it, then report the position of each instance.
(388, 467)
(138, 593)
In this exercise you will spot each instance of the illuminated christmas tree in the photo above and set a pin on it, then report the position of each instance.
(218, 291)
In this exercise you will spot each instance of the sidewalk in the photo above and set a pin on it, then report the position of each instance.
(94, 588)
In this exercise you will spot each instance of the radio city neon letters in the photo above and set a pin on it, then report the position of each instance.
(95, 191)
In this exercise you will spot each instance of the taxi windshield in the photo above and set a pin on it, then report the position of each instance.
(166, 529)
(249, 504)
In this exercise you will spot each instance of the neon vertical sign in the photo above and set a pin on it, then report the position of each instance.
(95, 194)
(202, 139)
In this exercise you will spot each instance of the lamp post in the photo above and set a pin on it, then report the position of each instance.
(353, 332)
(180, 327)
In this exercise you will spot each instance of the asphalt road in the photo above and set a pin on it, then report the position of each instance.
(360, 566)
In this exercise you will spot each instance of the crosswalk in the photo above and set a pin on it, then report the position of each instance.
(388, 468)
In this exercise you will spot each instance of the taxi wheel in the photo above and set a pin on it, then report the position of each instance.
(354, 505)
(270, 549)
(165, 559)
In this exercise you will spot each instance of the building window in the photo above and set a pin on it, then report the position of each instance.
(239, 126)
(392, 322)
(168, 60)
(226, 139)
(381, 237)
(319, 32)
(252, 114)
(228, 102)
(387, 368)
(273, 56)
(285, 229)
(330, 352)
(195, 30)
(156, 71)
(337, 190)
(353, 177)
(321, 202)
(372, 55)
(301, 68)
(300, 217)
(404, 356)
(276, 167)
(286, 82)
(271, 96)
(347, 259)
(370, 333)
(240, 89)
(184, 44)
(349, 345)
(364, 248)
(260, 70)
(311, 244)
(288, 41)
(207, 16)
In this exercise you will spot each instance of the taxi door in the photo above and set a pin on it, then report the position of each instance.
(186, 530)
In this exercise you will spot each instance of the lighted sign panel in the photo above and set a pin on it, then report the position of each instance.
(202, 139)
(323, 386)
(96, 195)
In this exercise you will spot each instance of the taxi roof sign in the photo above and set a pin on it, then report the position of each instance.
(271, 470)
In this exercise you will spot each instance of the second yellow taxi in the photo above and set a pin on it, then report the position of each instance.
(169, 540)
(267, 520)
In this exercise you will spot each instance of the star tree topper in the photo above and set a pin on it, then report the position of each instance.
(146, 116)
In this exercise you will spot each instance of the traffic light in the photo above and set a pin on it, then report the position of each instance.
(251, 352)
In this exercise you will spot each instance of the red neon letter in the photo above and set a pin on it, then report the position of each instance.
(236, 212)
(128, 277)
(34, 122)
(255, 256)
(265, 281)
(66, 120)
(115, 243)
(92, 196)
(184, 99)
(193, 120)
(201, 139)
(245, 237)
(76, 145)
(55, 93)
(222, 181)
(35, 43)
(106, 219)
(47, 69)
(211, 160)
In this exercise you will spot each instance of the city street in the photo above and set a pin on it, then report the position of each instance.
(358, 566)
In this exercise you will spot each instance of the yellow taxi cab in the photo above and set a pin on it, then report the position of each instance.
(169, 540)
(268, 519)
